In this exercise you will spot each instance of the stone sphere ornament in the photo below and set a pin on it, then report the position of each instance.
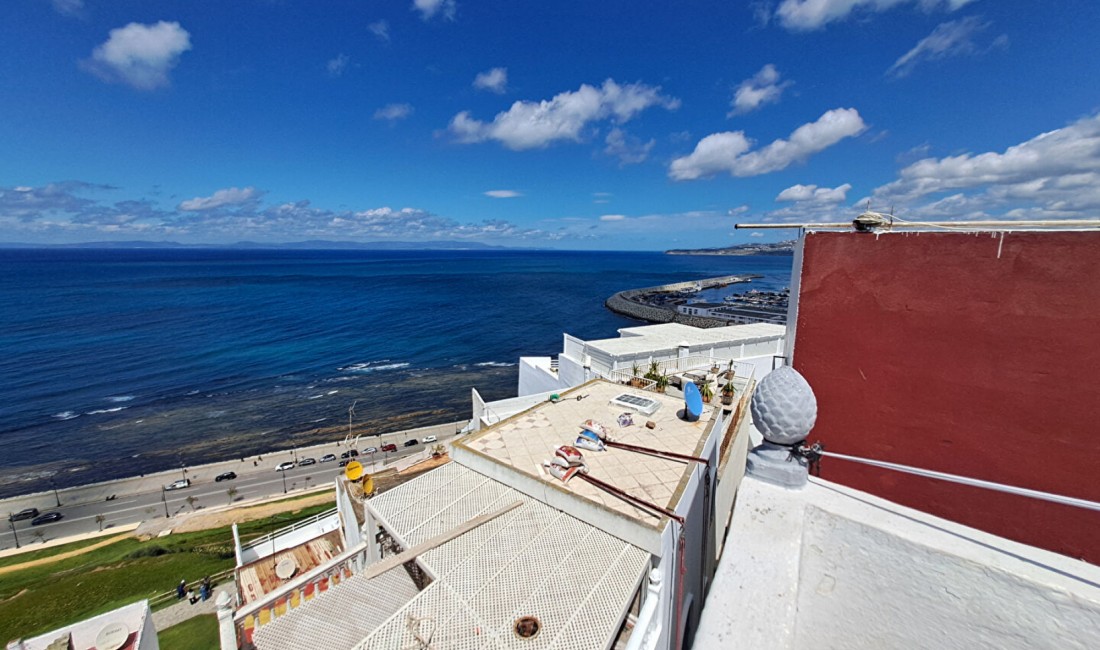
(783, 407)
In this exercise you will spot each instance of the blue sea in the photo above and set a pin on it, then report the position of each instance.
(117, 362)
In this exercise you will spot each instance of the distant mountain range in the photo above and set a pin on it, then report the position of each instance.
(778, 248)
(303, 245)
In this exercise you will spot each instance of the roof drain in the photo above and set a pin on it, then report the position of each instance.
(527, 627)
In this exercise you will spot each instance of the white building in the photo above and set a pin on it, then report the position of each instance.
(125, 628)
(675, 346)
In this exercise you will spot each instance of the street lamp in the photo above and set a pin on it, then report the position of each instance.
(284, 480)
(182, 468)
(55, 496)
(164, 498)
(11, 522)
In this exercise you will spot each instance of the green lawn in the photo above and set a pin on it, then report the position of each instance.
(38, 599)
(20, 558)
(199, 633)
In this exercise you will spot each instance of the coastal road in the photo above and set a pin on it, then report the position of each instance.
(252, 482)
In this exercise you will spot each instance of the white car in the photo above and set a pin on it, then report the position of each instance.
(179, 485)
(282, 467)
(428, 439)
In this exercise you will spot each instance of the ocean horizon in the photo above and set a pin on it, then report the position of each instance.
(120, 362)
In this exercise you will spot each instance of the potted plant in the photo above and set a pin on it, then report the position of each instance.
(728, 393)
(654, 371)
(662, 383)
(707, 392)
(729, 371)
(636, 379)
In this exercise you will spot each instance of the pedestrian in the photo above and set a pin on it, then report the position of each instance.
(204, 591)
(191, 597)
(181, 589)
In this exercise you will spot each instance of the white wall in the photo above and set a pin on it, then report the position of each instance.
(535, 376)
(827, 566)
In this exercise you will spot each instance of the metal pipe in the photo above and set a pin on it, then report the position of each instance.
(904, 225)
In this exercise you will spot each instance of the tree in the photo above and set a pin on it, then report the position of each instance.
(99, 519)
(232, 492)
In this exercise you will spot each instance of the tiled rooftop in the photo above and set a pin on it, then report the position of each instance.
(525, 440)
(258, 578)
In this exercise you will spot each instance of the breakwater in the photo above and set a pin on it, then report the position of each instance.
(653, 304)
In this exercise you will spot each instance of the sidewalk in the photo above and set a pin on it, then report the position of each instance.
(183, 609)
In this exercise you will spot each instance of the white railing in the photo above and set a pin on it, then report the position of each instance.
(493, 412)
(741, 370)
(647, 629)
(268, 538)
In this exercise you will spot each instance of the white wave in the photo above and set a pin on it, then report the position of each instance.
(332, 392)
(315, 397)
(120, 398)
(66, 415)
(364, 368)
(494, 364)
(112, 410)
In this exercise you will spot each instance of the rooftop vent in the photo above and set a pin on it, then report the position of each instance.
(638, 403)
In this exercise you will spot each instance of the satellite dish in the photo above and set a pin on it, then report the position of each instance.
(693, 401)
(112, 637)
(354, 470)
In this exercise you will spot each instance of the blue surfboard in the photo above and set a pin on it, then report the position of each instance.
(693, 401)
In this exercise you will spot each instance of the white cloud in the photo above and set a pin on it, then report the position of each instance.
(337, 65)
(68, 7)
(220, 199)
(953, 38)
(529, 125)
(1053, 175)
(627, 148)
(763, 88)
(495, 80)
(140, 55)
(814, 194)
(503, 194)
(806, 15)
(756, 233)
(430, 8)
(729, 151)
(613, 217)
(393, 112)
(381, 29)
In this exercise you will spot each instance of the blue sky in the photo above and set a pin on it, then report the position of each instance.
(581, 125)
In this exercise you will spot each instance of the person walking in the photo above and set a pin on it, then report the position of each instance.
(204, 591)
(181, 589)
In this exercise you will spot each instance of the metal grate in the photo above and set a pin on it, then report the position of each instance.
(533, 561)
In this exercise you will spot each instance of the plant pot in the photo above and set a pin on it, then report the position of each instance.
(727, 399)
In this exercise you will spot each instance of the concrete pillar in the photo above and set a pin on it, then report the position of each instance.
(227, 631)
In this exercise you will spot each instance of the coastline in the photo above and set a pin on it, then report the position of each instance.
(627, 303)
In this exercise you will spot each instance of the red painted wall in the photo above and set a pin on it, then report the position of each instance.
(973, 354)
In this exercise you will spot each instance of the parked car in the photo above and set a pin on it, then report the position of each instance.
(178, 485)
(428, 439)
(411, 442)
(328, 458)
(389, 447)
(284, 466)
(351, 453)
(225, 476)
(307, 461)
(46, 518)
(29, 513)
(370, 450)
